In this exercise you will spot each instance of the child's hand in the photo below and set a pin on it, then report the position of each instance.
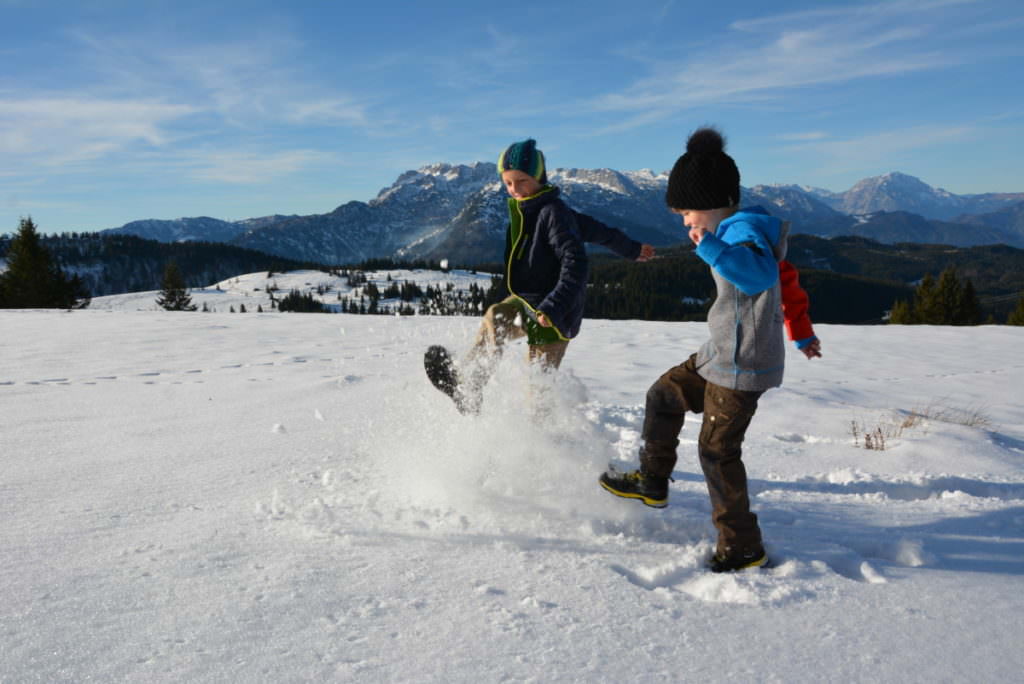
(646, 253)
(543, 320)
(697, 234)
(812, 350)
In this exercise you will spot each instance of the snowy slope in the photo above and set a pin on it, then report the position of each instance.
(252, 290)
(283, 497)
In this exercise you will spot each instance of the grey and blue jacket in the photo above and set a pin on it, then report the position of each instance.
(746, 350)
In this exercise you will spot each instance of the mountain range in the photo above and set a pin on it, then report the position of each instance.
(457, 212)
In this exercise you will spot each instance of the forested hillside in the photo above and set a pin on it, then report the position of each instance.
(111, 264)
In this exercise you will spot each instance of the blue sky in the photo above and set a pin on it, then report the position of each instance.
(114, 111)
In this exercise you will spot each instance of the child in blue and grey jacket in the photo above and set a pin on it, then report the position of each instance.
(744, 357)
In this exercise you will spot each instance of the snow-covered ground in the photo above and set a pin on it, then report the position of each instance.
(251, 292)
(273, 497)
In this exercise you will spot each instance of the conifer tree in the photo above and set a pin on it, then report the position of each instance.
(173, 295)
(33, 280)
(945, 302)
(925, 308)
(968, 308)
(1016, 316)
(901, 314)
(945, 299)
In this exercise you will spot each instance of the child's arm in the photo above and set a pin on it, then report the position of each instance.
(592, 230)
(748, 263)
(795, 304)
(563, 235)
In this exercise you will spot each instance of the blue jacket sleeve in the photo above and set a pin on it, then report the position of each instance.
(748, 263)
(567, 244)
(592, 230)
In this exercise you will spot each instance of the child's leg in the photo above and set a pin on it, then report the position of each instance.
(678, 390)
(550, 354)
(501, 323)
(498, 326)
(727, 415)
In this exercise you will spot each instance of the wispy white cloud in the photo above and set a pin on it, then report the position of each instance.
(329, 111)
(881, 13)
(768, 58)
(260, 80)
(140, 98)
(54, 130)
(877, 150)
(252, 168)
(805, 136)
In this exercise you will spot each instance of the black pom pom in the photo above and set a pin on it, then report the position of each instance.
(705, 142)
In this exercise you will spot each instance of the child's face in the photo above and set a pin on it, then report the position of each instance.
(519, 184)
(704, 219)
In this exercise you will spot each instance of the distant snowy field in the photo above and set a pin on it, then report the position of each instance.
(284, 497)
(252, 290)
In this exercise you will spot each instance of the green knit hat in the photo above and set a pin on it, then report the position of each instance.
(524, 156)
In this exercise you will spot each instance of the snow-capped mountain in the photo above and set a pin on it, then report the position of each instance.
(900, 192)
(182, 229)
(457, 211)
(406, 219)
(195, 228)
(807, 213)
(631, 200)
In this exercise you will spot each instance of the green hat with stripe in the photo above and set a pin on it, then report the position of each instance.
(524, 156)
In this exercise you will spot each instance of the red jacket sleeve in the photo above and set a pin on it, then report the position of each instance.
(794, 303)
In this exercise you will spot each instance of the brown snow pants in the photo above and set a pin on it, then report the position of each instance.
(727, 414)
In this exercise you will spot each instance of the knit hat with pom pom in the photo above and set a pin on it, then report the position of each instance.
(705, 177)
(524, 156)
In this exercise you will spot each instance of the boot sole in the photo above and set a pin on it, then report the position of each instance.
(437, 362)
(646, 500)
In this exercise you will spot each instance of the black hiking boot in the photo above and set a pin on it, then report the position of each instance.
(441, 371)
(651, 490)
(732, 560)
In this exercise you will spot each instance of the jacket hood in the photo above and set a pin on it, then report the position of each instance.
(775, 231)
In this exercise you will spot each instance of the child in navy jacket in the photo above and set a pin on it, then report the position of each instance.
(545, 273)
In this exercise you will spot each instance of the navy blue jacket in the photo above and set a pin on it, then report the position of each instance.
(614, 239)
(545, 258)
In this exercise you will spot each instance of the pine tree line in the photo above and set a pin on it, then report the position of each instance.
(943, 302)
(57, 271)
(114, 264)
